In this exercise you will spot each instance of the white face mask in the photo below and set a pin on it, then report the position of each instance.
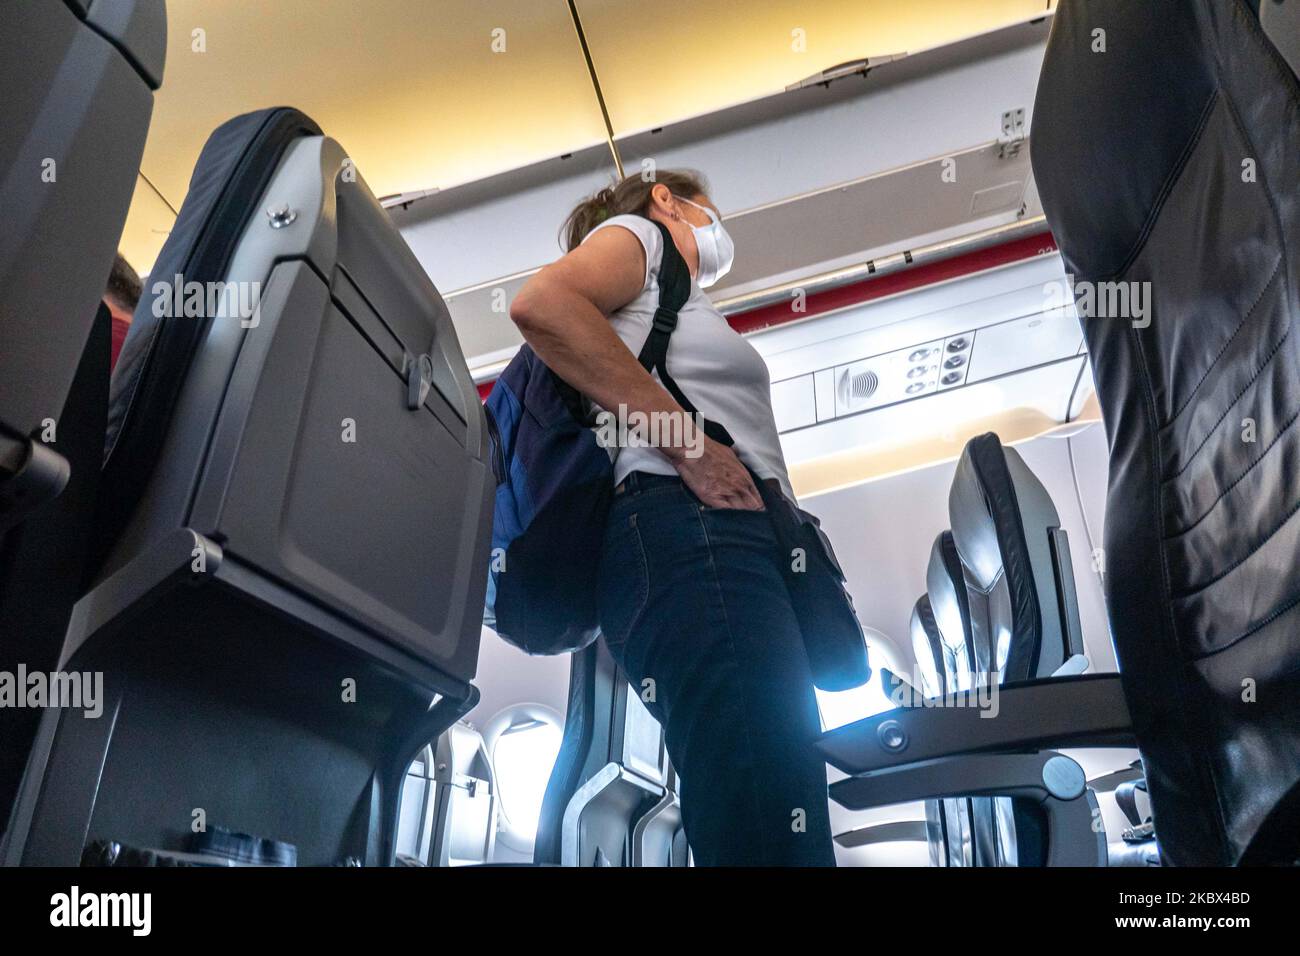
(717, 251)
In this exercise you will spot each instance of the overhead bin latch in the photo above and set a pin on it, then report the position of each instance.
(1012, 136)
(839, 71)
(419, 377)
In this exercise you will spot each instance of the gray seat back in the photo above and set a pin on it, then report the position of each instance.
(78, 80)
(1168, 171)
(450, 802)
(298, 553)
(928, 649)
(611, 798)
(950, 605)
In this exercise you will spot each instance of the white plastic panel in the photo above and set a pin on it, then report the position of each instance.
(794, 402)
(643, 750)
(853, 221)
(917, 347)
(901, 321)
(1038, 337)
(1045, 390)
(824, 391)
(484, 232)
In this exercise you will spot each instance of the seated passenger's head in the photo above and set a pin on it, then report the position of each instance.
(123, 291)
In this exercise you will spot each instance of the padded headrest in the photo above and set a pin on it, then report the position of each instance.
(994, 500)
(927, 648)
(1100, 182)
(946, 587)
(234, 168)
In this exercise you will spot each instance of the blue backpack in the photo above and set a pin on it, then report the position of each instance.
(555, 484)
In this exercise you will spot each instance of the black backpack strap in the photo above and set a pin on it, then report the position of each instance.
(674, 290)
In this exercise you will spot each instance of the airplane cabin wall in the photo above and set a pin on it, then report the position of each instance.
(507, 676)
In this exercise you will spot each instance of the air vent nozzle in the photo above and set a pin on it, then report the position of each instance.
(864, 385)
(856, 386)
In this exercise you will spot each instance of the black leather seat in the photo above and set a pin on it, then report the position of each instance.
(942, 645)
(950, 605)
(296, 512)
(1169, 165)
(78, 83)
(1015, 560)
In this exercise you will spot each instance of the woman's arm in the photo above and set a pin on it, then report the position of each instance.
(562, 311)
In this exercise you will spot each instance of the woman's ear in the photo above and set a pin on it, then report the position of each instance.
(663, 200)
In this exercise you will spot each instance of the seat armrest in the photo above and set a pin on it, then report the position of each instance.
(1084, 711)
(899, 831)
(1050, 779)
(1107, 782)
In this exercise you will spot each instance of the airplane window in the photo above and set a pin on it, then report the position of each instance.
(843, 707)
(523, 742)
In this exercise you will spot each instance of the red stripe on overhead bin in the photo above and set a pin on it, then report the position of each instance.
(878, 287)
(892, 283)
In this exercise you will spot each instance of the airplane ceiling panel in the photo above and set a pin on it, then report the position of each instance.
(484, 329)
(432, 95)
(683, 58)
(421, 94)
(877, 388)
(148, 223)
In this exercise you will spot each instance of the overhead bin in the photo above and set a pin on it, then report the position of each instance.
(794, 205)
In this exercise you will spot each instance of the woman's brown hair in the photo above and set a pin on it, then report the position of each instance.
(631, 195)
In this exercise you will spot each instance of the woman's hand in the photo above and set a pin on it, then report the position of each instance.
(718, 478)
(562, 311)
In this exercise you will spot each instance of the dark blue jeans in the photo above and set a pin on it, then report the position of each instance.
(695, 610)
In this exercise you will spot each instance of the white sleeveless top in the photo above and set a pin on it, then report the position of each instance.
(721, 373)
